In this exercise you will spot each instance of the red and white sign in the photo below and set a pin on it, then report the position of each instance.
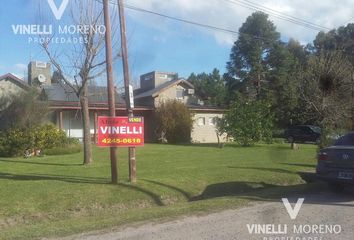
(120, 131)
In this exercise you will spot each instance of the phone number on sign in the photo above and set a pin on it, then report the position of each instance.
(121, 140)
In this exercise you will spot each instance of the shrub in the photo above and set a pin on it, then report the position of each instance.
(15, 142)
(278, 133)
(249, 122)
(48, 136)
(174, 122)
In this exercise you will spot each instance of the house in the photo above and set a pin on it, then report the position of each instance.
(156, 87)
(67, 109)
(10, 84)
(65, 106)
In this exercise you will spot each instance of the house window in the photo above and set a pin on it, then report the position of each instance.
(213, 121)
(41, 64)
(179, 93)
(201, 121)
(170, 77)
(148, 78)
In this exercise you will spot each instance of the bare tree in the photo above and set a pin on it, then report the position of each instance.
(83, 60)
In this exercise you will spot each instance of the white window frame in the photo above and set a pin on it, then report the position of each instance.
(182, 91)
(199, 121)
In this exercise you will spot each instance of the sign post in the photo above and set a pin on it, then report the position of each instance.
(110, 86)
(129, 99)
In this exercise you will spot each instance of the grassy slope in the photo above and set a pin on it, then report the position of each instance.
(53, 195)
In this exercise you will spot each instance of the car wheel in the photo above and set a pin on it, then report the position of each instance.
(290, 139)
(336, 187)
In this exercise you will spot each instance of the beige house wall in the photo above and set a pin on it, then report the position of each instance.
(204, 129)
(171, 93)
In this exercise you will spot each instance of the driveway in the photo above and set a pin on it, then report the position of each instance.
(322, 216)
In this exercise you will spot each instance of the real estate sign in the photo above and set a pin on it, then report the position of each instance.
(120, 131)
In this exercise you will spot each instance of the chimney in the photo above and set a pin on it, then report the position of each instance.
(154, 79)
(39, 73)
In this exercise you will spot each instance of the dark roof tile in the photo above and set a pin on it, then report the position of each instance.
(64, 93)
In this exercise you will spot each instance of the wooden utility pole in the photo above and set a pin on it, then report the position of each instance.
(110, 85)
(129, 104)
(352, 103)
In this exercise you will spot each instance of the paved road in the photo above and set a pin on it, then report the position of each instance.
(324, 216)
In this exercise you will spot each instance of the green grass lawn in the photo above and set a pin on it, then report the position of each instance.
(57, 195)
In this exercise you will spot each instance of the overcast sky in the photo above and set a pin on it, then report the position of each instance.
(157, 43)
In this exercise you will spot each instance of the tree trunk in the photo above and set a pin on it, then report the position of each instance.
(86, 126)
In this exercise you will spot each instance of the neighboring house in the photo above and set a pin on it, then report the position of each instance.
(67, 109)
(156, 87)
(10, 84)
(64, 102)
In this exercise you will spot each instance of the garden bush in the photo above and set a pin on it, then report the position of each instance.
(174, 122)
(18, 141)
(249, 122)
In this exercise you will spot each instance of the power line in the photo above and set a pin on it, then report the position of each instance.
(183, 20)
(289, 16)
(249, 5)
(225, 30)
(229, 31)
(177, 19)
(280, 15)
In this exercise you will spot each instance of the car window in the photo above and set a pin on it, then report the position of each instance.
(294, 131)
(316, 129)
(346, 140)
(305, 130)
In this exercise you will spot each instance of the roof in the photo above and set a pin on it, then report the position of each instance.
(156, 91)
(15, 80)
(64, 93)
(205, 108)
(58, 105)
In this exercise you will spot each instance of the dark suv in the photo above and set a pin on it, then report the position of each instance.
(303, 133)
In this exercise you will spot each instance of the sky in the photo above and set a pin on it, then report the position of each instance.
(158, 43)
